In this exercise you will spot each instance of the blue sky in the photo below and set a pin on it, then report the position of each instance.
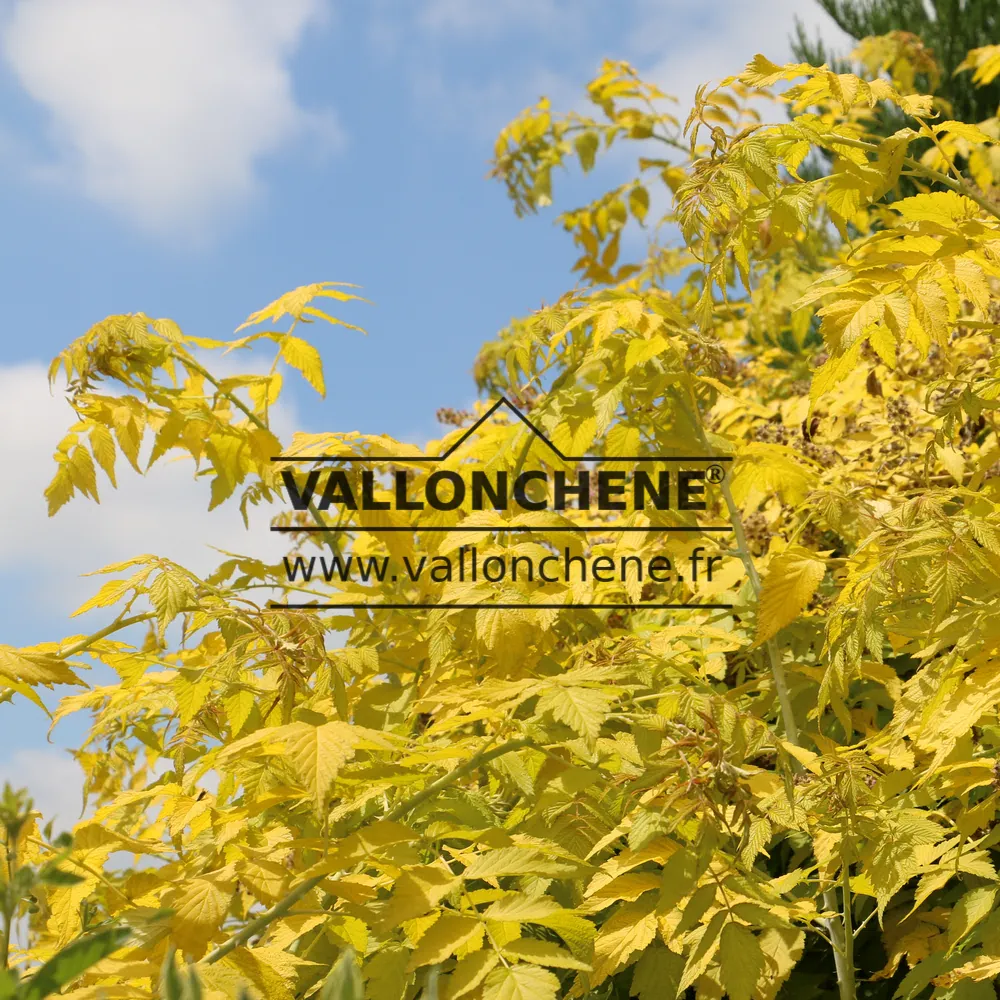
(196, 158)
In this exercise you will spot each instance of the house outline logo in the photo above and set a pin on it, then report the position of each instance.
(503, 401)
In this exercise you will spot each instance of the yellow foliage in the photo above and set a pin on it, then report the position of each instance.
(523, 803)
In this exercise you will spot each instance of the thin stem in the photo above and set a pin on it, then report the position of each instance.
(915, 165)
(743, 551)
(864, 923)
(836, 930)
(770, 647)
(929, 133)
(477, 761)
(280, 908)
(848, 923)
(9, 903)
(118, 623)
(267, 917)
(189, 362)
(842, 935)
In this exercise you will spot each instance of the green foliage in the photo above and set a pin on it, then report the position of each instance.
(21, 881)
(946, 31)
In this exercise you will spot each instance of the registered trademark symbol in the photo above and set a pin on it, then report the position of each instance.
(715, 473)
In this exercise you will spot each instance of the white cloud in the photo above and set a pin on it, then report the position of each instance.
(681, 44)
(53, 780)
(42, 559)
(677, 44)
(162, 109)
(163, 513)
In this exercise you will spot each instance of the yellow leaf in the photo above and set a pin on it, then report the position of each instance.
(468, 974)
(268, 980)
(64, 901)
(60, 491)
(385, 974)
(740, 961)
(764, 469)
(915, 104)
(582, 709)
(103, 446)
(963, 130)
(443, 939)
(296, 304)
(540, 952)
(199, 909)
(33, 667)
(111, 592)
(318, 752)
(805, 757)
(520, 982)
(519, 907)
(302, 356)
(982, 967)
(986, 63)
(953, 462)
(640, 350)
(944, 207)
(657, 974)
(518, 861)
(627, 930)
(791, 582)
(761, 72)
(170, 593)
(969, 910)
(705, 947)
(881, 338)
(238, 707)
(417, 890)
(577, 932)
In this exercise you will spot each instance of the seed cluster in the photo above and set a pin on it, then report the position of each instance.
(900, 416)
(758, 533)
(775, 432)
(453, 418)
(714, 356)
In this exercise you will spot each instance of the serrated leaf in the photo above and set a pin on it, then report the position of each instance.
(199, 907)
(679, 877)
(444, 938)
(521, 982)
(470, 971)
(541, 952)
(302, 356)
(344, 981)
(170, 593)
(657, 974)
(791, 581)
(969, 911)
(741, 961)
(520, 907)
(102, 444)
(704, 950)
(419, 889)
(628, 930)
(582, 709)
(318, 752)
